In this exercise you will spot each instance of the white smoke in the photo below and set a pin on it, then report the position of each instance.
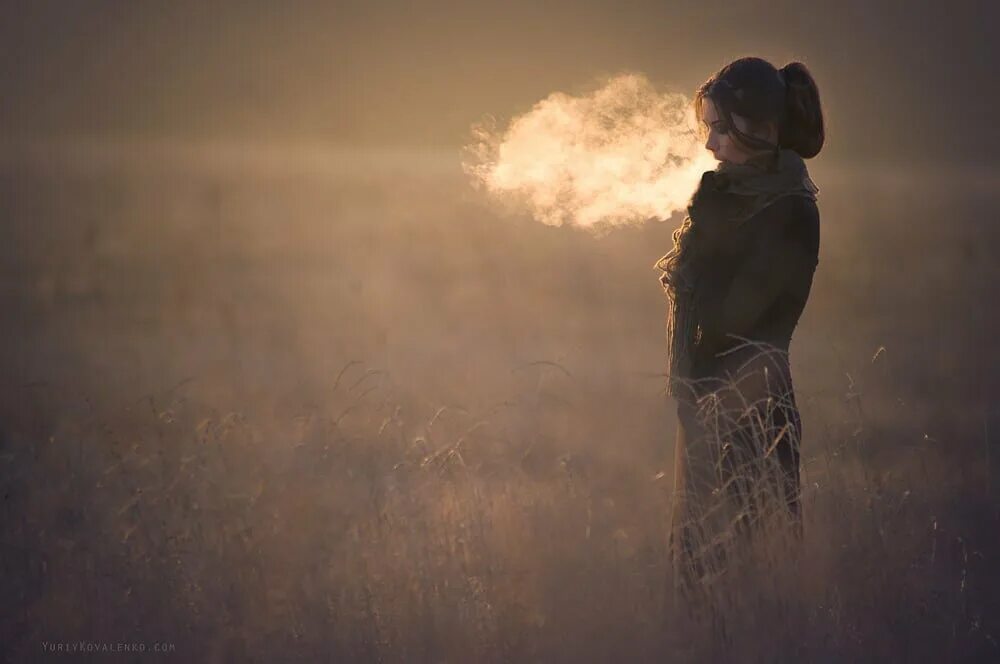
(622, 154)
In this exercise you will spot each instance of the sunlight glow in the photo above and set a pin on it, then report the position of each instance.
(624, 153)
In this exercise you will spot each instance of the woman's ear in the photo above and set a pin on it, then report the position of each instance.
(772, 132)
(768, 132)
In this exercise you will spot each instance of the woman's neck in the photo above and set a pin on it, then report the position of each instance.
(766, 160)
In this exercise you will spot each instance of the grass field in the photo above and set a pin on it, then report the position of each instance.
(333, 406)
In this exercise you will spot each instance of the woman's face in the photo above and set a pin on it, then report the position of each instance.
(723, 145)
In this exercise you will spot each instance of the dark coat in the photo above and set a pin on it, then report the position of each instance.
(755, 285)
(758, 281)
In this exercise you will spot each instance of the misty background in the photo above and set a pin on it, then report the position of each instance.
(223, 222)
(900, 84)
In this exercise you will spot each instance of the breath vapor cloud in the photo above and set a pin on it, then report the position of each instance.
(624, 153)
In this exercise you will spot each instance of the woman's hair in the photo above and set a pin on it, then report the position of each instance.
(752, 88)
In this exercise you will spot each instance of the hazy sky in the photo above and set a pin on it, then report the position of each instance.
(898, 79)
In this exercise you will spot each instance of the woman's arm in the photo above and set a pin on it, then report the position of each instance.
(783, 254)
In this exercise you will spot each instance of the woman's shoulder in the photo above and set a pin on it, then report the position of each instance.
(789, 215)
(790, 218)
(792, 205)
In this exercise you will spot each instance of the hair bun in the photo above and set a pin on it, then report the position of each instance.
(788, 74)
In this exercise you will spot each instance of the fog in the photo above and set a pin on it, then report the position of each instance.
(284, 378)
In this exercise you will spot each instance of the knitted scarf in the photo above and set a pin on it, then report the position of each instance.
(724, 200)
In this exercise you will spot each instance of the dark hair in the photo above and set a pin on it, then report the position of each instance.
(752, 88)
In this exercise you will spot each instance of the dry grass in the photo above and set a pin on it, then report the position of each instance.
(364, 530)
(188, 455)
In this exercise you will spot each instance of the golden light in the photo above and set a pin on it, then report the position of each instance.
(624, 153)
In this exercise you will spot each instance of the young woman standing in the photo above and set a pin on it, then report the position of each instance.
(738, 278)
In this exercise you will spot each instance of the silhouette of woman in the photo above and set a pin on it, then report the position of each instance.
(737, 280)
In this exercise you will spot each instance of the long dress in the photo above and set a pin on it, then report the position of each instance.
(739, 432)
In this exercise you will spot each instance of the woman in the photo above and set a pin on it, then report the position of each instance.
(738, 278)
